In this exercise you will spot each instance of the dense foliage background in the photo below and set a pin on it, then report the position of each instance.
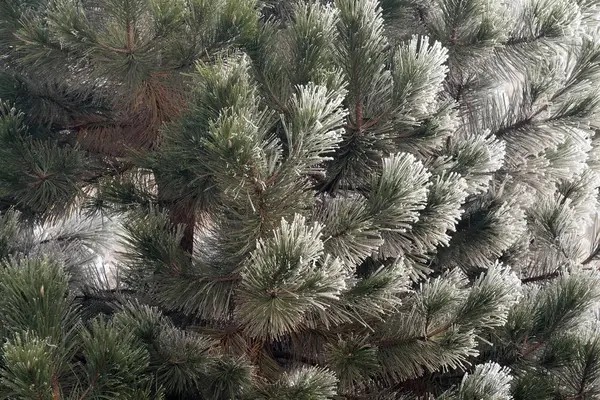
(304, 200)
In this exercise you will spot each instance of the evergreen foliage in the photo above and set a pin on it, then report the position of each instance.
(346, 199)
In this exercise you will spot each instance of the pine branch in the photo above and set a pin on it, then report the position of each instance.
(437, 331)
(115, 171)
(105, 295)
(522, 40)
(91, 385)
(513, 127)
(587, 369)
(130, 37)
(22, 39)
(55, 388)
(51, 45)
(398, 342)
(530, 349)
(41, 179)
(358, 109)
(521, 123)
(184, 214)
(416, 386)
(453, 39)
(459, 92)
(291, 357)
(422, 14)
(592, 256)
(278, 102)
(542, 277)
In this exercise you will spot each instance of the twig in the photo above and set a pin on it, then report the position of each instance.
(540, 277)
(92, 384)
(532, 348)
(130, 37)
(55, 388)
(288, 356)
(592, 256)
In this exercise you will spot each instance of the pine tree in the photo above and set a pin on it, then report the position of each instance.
(316, 200)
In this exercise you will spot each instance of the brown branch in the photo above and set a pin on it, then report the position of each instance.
(532, 348)
(130, 37)
(91, 385)
(105, 295)
(224, 278)
(129, 45)
(358, 106)
(55, 388)
(278, 103)
(453, 38)
(272, 179)
(537, 278)
(115, 49)
(41, 179)
(288, 356)
(113, 172)
(522, 40)
(22, 39)
(437, 331)
(592, 256)
(427, 336)
(359, 114)
(182, 213)
(371, 124)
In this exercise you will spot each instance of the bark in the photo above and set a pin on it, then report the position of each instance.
(182, 214)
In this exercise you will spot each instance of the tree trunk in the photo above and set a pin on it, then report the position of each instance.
(181, 213)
